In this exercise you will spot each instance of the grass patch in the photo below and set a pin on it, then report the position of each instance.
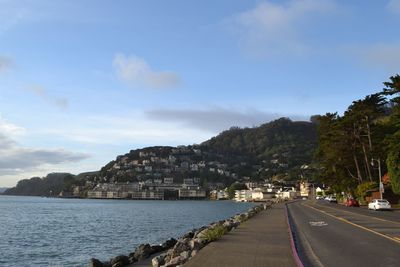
(214, 233)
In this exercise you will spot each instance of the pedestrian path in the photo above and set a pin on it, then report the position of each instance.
(261, 241)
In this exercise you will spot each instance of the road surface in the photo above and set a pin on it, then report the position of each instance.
(332, 235)
(386, 215)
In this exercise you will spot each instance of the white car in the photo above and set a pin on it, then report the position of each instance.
(379, 204)
(331, 199)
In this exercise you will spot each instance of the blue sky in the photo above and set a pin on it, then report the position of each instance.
(84, 81)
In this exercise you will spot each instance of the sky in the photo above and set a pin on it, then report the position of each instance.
(82, 81)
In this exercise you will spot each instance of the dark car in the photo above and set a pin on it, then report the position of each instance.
(351, 202)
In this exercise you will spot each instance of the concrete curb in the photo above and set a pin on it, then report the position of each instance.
(292, 244)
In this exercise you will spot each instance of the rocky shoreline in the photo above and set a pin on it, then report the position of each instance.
(176, 252)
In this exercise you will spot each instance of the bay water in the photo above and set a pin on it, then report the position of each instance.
(36, 231)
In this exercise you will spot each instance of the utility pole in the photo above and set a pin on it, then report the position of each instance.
(381, 188)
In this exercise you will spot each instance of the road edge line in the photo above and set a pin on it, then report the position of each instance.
(292, 244)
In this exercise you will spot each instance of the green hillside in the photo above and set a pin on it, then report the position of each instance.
(278, 148)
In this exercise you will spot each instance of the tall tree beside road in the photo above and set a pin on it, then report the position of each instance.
(348, 143)
(393, 141)
(334, 153)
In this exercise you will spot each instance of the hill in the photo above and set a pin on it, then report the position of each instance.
(278, 148)
(2, 189)
(51, 185)
(281, 142)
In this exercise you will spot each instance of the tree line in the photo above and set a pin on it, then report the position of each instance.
(352, 146)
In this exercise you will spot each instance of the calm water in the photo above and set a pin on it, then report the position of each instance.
(38, 231)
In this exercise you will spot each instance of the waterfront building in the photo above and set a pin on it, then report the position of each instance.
(219, 195)
(97, 194)
(242, 195)
(189, 193)
(148, 194)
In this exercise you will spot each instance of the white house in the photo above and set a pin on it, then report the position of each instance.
(242, 195)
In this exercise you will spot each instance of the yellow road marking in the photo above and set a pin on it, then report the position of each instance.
(380, 219)
(395, 239)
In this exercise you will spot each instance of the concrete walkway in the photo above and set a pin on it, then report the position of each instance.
(261, 241)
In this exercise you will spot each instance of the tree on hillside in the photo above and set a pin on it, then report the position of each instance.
(361, 118)
(392, 89)
(348, 143)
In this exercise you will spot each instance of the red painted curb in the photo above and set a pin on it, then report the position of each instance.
(292, 245)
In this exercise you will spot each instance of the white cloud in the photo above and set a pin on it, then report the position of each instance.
(393, 6)
(137, 72)
(385, 56)
(16, 158)
(129, 130)
(5, 63)
(272, 29)
(60, 102)
(10, 129)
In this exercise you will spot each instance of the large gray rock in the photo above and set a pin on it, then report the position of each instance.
(196, 244)
(95, 263)
(119, 261)
(185, 255)
(168, 255)
(228, 224)
(158, 261)
(169, 243)
(174, 262)
(199, 231)
(181, 246)
(143, 251)
(156, 249)
(132, 258)
(201, 234)
(188, 235)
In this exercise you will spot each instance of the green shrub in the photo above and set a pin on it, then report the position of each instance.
(214, 233)
(361, 190)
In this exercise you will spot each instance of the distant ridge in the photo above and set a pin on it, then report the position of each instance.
(277, 148)
(2, 189)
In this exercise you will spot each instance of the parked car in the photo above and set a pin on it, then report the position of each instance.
(319, 198)
(379, 204)
(351, 202)
(333, 199)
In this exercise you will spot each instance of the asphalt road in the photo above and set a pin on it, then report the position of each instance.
(383, 214)
(329, 236)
